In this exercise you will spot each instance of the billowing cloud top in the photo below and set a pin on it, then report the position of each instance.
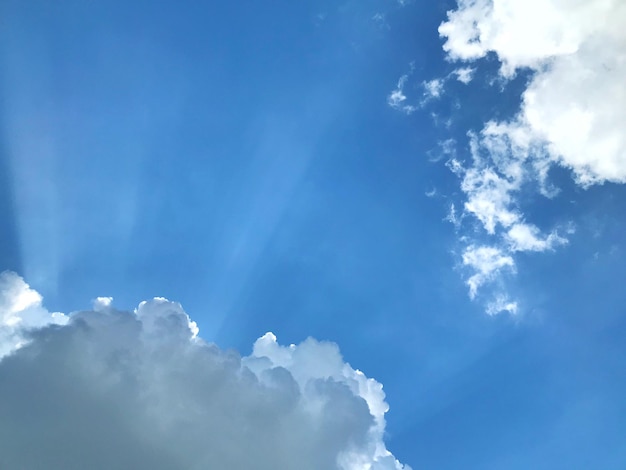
(111, 389)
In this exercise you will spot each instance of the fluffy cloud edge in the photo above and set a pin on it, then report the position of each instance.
(572, 114)
(574, 107)
(284, 404)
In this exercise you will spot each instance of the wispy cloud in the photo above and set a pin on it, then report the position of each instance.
(573, 114)
(431, 90)
(464, 74)
(142, 390)
(21, 310)
(491, 183)
(398, 100)
(486, 263)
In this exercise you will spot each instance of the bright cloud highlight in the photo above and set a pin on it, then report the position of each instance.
(21, 310)
(575, 105)
(111, 389)
(573, 114)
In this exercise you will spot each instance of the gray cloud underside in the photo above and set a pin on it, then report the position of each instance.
(120, 390)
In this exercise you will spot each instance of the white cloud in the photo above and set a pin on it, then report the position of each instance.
(397, 99)
(522, 32)
(558, 27)
(464, 74)
(491, 183)
(486, 262)
(102, 303)
(453, 217)
(489, 197)
(572, 114)
(433, 88)
(578, 108)
(575, 104)
(20, 311)
(113, 389)
(527, 237)
(501, 303)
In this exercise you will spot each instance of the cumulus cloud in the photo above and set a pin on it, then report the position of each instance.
(572, 114)
(21, 310)
(575, 104)
(109, 389)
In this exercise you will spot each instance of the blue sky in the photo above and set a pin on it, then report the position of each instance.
(319, 169)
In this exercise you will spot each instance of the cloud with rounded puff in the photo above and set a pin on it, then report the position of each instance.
(105, 389)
